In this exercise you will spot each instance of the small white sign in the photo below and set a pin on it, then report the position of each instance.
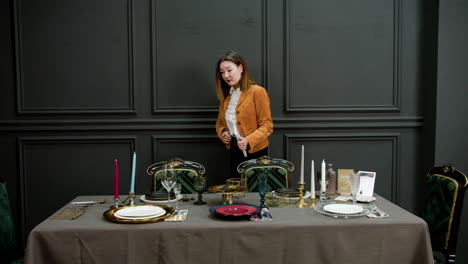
(366, 184)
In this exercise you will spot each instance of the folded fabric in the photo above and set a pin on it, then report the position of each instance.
(375, 212)
(68, 214)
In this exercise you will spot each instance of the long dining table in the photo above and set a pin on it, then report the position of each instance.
(296, 235)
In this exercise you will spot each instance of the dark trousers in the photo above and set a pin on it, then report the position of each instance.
(237, 157)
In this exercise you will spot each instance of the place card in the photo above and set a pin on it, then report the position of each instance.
(343, 181)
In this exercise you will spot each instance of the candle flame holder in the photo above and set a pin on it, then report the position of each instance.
(301, 203)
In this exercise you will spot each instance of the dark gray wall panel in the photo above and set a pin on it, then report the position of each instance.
(187, 42)
(206, 150)
(376, 152)
(451, 141)
(74, 57)
(54, 170)
(343, 56)
(342, 76)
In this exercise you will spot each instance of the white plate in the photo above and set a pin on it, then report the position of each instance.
(143, 198)
(136, 218)
(343, 208)
(140, 211)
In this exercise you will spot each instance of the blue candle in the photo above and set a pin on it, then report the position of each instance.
(132, 184)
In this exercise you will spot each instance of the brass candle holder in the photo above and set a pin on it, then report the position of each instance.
(312, 200)
(301, 202)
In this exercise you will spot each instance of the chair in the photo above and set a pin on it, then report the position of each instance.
(186, 170)
(279, 171)
(8, 245)
(445, 189)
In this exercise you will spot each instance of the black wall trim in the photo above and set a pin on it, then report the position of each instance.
(204, 124)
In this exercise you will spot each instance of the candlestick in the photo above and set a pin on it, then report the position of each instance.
(132, 198)
(116, 179)
(312, 178)
(312, 201)
(116, 203)
(132, 183)
(323, 185)
(301, 202)
(302, 164)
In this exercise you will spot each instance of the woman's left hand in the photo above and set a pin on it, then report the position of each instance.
(242, 143)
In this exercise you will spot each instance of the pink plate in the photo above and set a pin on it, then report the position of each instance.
(236, 210)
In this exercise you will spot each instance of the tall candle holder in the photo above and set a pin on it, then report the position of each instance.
(132, 198)
(323, 195)
(301, 202)
(116, 203)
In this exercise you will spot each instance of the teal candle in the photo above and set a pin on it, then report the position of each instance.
(132, 183)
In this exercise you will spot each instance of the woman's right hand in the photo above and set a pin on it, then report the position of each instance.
(226, 137)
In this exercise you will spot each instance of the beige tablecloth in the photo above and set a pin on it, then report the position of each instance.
(295, 236)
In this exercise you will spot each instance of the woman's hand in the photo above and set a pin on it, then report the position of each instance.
(242, 143)
(226, 137)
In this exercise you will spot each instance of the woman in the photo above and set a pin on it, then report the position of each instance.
(244, 119)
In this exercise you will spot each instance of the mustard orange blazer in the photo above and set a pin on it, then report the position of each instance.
(253, 116)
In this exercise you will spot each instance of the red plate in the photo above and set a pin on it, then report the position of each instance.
(236, 210)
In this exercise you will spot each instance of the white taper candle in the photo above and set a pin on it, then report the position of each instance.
(302, 164)
(312, 178)
(323, 186)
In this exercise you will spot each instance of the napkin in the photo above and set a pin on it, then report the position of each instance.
(263, 215)
(375, 212)
(70, 213)
(178, 216)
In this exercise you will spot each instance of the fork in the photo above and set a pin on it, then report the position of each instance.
(90, 202)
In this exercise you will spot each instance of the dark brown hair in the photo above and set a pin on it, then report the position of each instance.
(222, 88)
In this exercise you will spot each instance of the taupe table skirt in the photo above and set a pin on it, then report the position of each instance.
(295, 236)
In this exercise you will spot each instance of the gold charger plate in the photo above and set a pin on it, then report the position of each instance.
(110, 215)
(230, 189)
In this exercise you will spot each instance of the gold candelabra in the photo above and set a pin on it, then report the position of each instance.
(301, 202)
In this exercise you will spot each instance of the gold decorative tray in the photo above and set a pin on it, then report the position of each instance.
(110, 215)
(223, 188)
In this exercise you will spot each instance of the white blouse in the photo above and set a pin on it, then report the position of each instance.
(231, 119)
